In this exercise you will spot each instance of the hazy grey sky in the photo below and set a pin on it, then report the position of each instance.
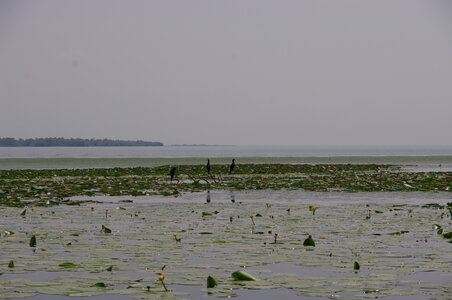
(228, 72)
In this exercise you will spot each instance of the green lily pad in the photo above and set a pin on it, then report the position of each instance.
(99, 284)
(447, 235)
(68, 265)
(243, 276)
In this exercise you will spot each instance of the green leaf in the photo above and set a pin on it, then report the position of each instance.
(105, 229)
(448, 235)
(211, 282)
(356, 265)
(243, 276)
(67, 265)
(99, 284)
(33, 241)
(110, 268)
(23, 213)
(206, 214)
(11, 264)
(309, 242)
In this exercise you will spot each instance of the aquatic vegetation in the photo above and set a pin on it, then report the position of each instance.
(313, 208)
(54, 187)
(105, 229)
(161, 278)
(99, 284)
(178, 240)
(211, 282)
(447, 235)
(67, 265)
(309, 242)
(243, 276)
(217, 236)
(33, 241)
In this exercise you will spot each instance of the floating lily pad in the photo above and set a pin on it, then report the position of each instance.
(243, 276)
(68, 265)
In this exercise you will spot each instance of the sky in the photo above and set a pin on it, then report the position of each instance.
(248, 72)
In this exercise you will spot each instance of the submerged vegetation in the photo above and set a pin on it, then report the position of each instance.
(52, 187)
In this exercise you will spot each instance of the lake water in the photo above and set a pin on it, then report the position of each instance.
(426, 157)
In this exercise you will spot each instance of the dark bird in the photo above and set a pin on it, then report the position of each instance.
(208, 166)
(172, 173)
(232, 166)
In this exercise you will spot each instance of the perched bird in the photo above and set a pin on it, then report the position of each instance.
(232, 166)
(208, 166)
(172, 173)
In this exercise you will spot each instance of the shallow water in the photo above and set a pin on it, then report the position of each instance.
(222, 151)
(413, 158)
(402, 266)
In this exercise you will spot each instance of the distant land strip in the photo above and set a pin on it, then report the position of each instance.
(71, 142)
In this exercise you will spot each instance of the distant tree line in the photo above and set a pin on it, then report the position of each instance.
(63, 142)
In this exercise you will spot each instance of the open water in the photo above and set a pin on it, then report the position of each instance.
(425, 158)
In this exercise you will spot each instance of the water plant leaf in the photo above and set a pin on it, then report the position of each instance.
(211, 282)
(110, 268)
(206, 214)
(99, 284)
(243, 276)
(356, 265)
(23, 213)
(447, 235)
(67, 265)
(309, 242)
(33, 241)
(105, 229)
(11, 264)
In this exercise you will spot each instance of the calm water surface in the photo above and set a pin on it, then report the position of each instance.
(426, 158)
